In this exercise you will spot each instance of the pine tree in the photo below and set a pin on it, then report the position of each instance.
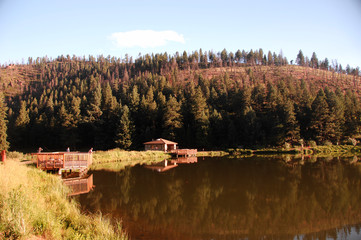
(314, 60)
(290, 126)
(124, 129)
(4, 144)
(320, 122)
(23, 118)
(351, 115)
(172, 118)
(300, 60)
(200, 113)
(336, 116)
(94, 111)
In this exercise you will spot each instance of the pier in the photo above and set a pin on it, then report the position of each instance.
(59, 161)
(184, 153)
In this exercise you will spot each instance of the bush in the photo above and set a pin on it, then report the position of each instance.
(312, 143)
(287, 145)
(327, 143)
(351, 141)
(17, 156)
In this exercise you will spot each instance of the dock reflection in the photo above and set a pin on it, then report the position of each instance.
(166, 165)
(79, 184)
(162, 166)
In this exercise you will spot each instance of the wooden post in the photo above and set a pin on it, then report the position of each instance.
(3, 156)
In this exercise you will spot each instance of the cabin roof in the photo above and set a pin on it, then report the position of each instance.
(159, 141)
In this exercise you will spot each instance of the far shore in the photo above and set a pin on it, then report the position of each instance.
(131, 158)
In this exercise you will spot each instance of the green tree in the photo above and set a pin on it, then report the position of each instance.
(94, 111)
(200, 114)
(124, 129)
(20, 134)
(172, 118)
(4, 144)
(336, 115)
(23, 118)
(314, 60)
(224, 57)
(290, 126)
(300, 60)
(270, 58)
(320, 122)
(352, 120)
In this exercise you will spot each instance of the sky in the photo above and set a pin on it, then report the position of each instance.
(38, 28)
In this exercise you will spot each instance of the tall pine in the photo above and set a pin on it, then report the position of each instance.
(320, 122)
(124, 129)
(172, 118)
(4, 144)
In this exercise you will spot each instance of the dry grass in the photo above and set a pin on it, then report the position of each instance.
(211, 153)
(34, 204)
(122, 158)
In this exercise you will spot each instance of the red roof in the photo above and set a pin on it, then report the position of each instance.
(160, 141)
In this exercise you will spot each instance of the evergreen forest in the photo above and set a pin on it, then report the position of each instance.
(201, 100)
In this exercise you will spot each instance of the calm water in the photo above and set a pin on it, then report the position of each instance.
(215, 198)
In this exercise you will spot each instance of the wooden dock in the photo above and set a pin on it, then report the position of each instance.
(184, 152)
(59, 161)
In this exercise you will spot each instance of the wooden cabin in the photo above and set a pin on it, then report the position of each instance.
(59, 161)
(160, 144)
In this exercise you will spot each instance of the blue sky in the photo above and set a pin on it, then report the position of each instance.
(331, 28)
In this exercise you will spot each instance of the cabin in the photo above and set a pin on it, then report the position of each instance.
(164, 145)
(160, 144)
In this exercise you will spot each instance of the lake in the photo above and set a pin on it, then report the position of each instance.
(228, 198)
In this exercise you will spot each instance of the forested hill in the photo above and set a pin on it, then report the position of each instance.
(202, 100)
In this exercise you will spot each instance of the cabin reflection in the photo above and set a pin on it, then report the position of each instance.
(166, 165)
(162, 166)
(78, 184)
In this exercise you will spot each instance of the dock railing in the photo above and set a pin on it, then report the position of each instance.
(62, 160)
(184, 152)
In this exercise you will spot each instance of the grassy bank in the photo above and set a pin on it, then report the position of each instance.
(119, 159)
(317, 150)
(212, 153)
(34, 203)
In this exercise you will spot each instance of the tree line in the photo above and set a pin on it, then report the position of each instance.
(107, 102)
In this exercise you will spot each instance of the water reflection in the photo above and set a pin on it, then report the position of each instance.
(162, 166)
(253, 198)
(78, 184)
(166, 165)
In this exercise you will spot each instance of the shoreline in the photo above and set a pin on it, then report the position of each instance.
(23, 185)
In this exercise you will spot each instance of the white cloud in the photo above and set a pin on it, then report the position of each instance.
(145, 38)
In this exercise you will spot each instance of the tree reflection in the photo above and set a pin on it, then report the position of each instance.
(231, 198)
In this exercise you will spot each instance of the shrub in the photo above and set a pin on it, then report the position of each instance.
(312, 143)
(287, 145)
(16, 156)
(351, 141)
(327, 143)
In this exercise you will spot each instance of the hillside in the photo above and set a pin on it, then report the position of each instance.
(107, 102)
(15, 79)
